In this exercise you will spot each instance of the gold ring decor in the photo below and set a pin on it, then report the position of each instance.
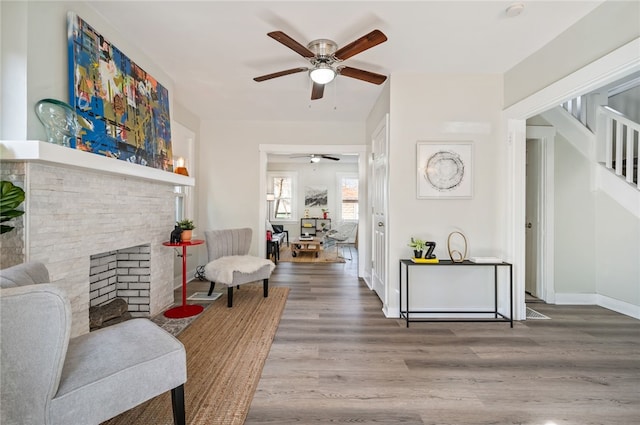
(455, 255)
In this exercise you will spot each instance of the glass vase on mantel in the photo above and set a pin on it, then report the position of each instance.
(59, 120)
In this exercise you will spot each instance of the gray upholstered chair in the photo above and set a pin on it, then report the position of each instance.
(229, 263)
(49, 378)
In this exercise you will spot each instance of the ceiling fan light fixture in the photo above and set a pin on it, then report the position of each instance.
(315, 159)
(322, 74)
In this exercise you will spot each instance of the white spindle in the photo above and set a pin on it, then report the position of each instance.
(619, 146)
(629, 155)
(636, 132)
(609, 142)
(626, 144)
(582, 110)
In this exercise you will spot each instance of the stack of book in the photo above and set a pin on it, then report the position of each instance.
(485, 260)
(425, 260)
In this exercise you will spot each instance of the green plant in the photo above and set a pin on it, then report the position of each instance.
(11, 197)
(186, 224)
(418, 244)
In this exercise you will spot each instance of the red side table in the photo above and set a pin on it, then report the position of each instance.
(184, 310)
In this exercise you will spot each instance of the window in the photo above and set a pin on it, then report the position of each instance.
(182, 146)
(348, 196)
(283, 187)
(179, 192)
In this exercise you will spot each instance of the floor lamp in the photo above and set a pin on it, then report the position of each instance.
(270, 198)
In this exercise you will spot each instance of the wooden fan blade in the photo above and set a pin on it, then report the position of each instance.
(283, 38)
(279, 74)
(365, 42)
(361, 74)
(317, 91)
(333, 158)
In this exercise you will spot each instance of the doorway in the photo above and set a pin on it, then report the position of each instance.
(539, 225)
(358, 151)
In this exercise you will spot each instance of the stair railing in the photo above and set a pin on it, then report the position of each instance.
(577, 108)
(621, 138)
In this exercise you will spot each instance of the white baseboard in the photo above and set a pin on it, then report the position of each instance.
(621, 307)
(393, 313)
(613, 304)
(367, 281)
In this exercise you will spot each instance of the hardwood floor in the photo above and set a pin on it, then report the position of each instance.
(337, 360)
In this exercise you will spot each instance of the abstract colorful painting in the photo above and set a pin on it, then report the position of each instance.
(127, 108)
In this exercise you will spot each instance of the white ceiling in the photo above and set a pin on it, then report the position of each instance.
(213, 49)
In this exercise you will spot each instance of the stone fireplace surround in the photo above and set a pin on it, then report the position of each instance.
(79, 204)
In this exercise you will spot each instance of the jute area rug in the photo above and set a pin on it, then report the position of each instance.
(226, 350)
(328, 256)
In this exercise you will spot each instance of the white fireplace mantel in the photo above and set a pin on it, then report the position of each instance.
(38, 151)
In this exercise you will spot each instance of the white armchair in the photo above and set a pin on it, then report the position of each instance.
(343, 234)
(49, 378)
(229, 262)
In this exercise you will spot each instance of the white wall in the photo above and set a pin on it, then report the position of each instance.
(608, 27)
(627, 102)
(228, 172)
(441, 108)
(617, 243)
(597, 241)
(13, 71)
(574, 222)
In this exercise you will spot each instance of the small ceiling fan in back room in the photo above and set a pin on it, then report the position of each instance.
(316, 157)
(324, 55)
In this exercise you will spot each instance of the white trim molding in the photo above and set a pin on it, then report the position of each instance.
(603, 301)
(45, 152)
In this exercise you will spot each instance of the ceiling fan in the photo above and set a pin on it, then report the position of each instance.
(316, 157)
(323, 55)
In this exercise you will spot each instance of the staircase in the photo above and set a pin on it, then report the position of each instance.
(610, 139)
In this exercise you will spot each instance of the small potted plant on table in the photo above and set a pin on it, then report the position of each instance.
(187, 227)
(418, 246)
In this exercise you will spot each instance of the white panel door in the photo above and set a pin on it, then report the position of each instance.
(532, 218)
(379, 209)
